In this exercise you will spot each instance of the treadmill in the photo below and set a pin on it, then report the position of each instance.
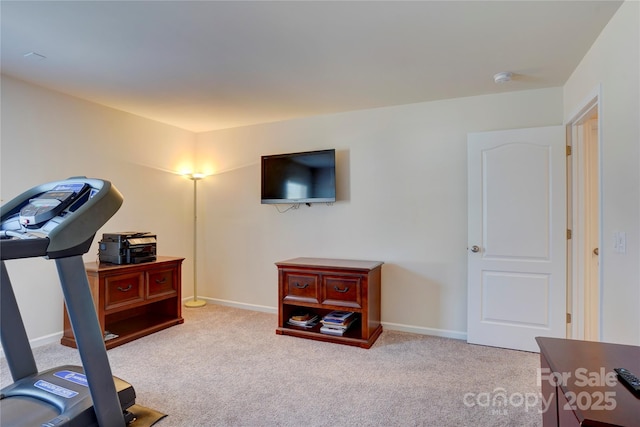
(58, 221)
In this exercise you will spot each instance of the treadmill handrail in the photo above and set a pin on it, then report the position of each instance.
(23, 248)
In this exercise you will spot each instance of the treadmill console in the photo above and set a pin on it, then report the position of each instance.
(57, 219)
(51, 203)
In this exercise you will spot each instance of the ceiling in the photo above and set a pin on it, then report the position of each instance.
(208, 65)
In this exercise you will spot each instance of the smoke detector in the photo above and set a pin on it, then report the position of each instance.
(502, 77)
(34, 56)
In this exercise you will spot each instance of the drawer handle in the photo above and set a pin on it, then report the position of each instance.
(299, 286)
(160, 281)
(128, 288)
(342, 291)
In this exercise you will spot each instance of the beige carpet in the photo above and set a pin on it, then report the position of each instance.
(227, 367)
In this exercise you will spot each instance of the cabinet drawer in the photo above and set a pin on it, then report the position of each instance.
(300, 287)
(123, 290)
(160, 283)
(342, 290)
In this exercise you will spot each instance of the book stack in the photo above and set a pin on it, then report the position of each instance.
(304, 320)
(109, 335)
(337, 322)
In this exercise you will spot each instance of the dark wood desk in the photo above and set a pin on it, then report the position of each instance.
(578, 381)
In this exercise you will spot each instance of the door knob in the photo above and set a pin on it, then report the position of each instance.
(475, 249)
(596, 251)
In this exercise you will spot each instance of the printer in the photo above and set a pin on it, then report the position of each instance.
(129, 247)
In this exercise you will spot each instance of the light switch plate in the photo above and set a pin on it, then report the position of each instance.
(620, 242)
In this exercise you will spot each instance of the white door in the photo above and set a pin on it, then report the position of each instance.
(516, 237)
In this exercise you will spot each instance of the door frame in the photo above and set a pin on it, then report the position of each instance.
(577, 263)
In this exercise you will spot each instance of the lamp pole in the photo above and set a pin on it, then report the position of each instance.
(195, 302)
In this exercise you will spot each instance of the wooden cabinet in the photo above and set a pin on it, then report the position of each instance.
(322, 285)
(133, 300)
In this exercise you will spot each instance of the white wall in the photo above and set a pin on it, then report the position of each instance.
(401, 174)
(613, 62)
(47, 136)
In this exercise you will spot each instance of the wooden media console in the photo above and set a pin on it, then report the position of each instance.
(320, 286)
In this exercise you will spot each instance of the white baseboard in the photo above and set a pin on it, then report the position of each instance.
(458, 335)
(244, 306)
(38, 342)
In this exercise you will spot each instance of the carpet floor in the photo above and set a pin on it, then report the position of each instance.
(227, 367)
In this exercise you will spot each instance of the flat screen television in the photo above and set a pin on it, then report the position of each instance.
(308, 177)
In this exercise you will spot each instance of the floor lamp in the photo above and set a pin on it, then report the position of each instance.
(195, 302)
